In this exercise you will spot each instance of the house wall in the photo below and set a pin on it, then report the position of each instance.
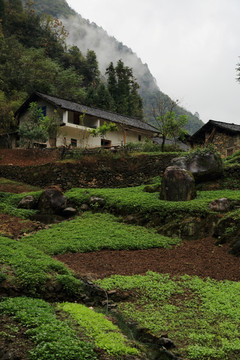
(83, 137)
(226, 144)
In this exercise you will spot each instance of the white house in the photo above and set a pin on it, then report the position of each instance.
(74, 128)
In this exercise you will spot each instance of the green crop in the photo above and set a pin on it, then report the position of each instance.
(201, 316)
(29, 269)
(93, 232)
(53, 338)
(100, 330)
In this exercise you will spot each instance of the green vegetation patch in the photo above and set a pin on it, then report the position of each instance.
(30, 270)
(201, 316)
(53, 338)
(93, 232)
(135, 200)
(100, 330)
(9, 204)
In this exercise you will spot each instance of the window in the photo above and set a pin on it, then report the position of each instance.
(76, 119)
(106, 143)
(139, 137)
(74, 142)
(44, 110)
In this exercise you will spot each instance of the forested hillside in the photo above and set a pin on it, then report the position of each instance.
(87, 35)
(34, 55)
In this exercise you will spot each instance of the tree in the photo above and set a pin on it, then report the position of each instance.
(7, 121)
(123, 87)
(112, 81)
(103, 98)
(168, 123)
(52, 126)
(91, 72)
(33, 129)
(16, 5)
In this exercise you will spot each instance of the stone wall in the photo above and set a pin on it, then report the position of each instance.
(91, 171)
(226, 144)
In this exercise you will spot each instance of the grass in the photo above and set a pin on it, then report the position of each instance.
(201, 316)
(94, 232)
(9, 204)
(134, 200)
(100, 330)
(53, 338)
(29, 270)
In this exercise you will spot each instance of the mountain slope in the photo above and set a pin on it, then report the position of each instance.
(87, 35)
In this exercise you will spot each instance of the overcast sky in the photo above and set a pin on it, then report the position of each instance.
(192, 47)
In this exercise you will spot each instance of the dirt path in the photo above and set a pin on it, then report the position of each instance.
(199, 257)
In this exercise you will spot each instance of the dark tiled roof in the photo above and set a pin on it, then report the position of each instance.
(231, 127)
(227, 127)
(103, 114)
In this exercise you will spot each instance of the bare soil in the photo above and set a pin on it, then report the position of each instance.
(15, 227)
(23, 157)
(196, 257)
(14, 343)
(17, 188)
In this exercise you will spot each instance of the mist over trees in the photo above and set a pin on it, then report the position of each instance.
(34, 55)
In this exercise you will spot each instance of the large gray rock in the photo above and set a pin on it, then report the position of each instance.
(203, 166)
(177, 185)
(52, 201)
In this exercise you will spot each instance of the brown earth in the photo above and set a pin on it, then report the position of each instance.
(15, 227)
(197, 257)
(16, 188)
(22, 157)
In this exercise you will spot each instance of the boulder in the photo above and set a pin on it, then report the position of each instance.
(204, 166)
(97, 201)
(84, 207)
(28, 202)
(220, 205)
(177, 185)
(52, 201)
(69, 212)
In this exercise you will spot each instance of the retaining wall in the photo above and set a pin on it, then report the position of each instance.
(91, 171)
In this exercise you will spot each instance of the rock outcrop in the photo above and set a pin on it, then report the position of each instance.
(204, 166)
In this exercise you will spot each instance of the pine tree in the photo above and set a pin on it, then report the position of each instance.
(112, 82)
(123, 87)
(91, 72)
(104, 99)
